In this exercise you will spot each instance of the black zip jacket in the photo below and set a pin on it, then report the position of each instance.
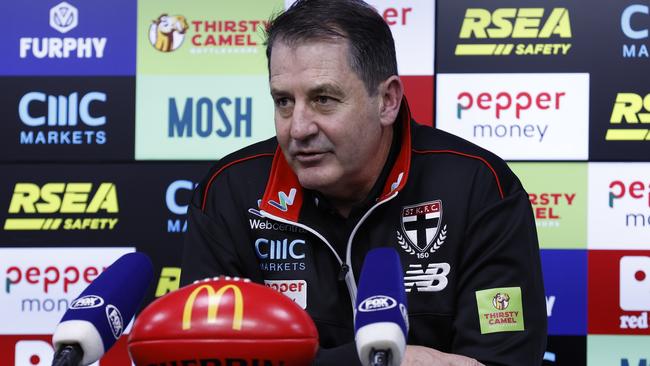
(458, 216)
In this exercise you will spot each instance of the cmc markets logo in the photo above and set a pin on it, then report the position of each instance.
(635, 291)
(635, 193)
(494, 32)
(629, 19)
(63, 18)
(630, 119)
(49, 119)
(277, 255)
(177, 205)
(66, 206)
(547, 207)
(214, 301)
(509, 108)
(204, 117)
(167, 34)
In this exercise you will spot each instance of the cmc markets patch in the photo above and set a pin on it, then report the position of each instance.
(510, 36)
(67, 119)
(69, 37)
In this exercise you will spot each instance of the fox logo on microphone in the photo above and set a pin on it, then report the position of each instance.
(376, 303)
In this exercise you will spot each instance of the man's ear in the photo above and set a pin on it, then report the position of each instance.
(390, 92)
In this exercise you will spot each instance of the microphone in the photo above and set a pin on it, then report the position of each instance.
(381, 319)
(97, 318)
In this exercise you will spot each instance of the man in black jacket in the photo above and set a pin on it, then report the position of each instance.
(349, 171)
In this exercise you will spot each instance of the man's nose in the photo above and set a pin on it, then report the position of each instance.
(303, 122)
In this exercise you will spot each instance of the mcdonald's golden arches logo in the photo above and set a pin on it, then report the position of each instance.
(214, 301)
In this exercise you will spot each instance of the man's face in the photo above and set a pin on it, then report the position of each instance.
(326, 123)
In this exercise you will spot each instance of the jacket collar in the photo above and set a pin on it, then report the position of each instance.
(283, 196)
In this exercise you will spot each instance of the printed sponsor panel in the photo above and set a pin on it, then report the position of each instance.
(71, 118)
(558, 195)
(565, 282)
(37, 350)
(511, 36)
(69, 37)
(412, 25)
(619, 206)
(620, 350)
(620, 122)
(419, 91)
(203, 37)
(200, 117)
(517, 116)
(619, 292)
(40, 283)
(566, 351)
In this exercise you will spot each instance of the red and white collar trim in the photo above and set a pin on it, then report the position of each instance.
(283, 196)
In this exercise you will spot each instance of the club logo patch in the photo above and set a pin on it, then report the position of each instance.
(421, 226)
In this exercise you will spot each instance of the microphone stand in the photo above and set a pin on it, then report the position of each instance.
(68, 355)
(379, 357)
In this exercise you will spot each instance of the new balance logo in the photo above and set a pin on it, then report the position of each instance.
(431, 279)
(284, 200)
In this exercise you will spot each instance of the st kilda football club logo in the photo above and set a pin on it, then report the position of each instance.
(421, 226)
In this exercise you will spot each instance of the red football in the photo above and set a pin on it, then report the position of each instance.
(223, 321)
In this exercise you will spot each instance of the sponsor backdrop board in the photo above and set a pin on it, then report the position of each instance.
(517, 116)
(72, 37)
(606, 350)
(557, 194)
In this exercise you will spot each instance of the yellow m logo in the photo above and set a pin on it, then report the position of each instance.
(214, 300)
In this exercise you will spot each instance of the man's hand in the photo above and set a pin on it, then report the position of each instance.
(424, 356)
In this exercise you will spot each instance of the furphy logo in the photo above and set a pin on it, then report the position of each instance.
(634, 291)
(224, 117)
(518, 116)
(277, 255)
(431, 279)
(547, 206)
(40, 284)
(547, 29)
(177, 198)
(619, 195)
(167, 32)
(296, 290)
(49, 118)
(66, 206)
(630, 118)
(64, 18)
(631, 17)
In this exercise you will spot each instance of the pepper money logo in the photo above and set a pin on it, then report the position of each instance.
(167, 32)
(630, 119)
(67, 206)
(500, 25)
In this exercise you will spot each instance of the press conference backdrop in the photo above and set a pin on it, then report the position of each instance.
(112, 111)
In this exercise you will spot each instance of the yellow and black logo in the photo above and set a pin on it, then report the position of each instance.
(630, 119)
(510, 24)
(67, 206)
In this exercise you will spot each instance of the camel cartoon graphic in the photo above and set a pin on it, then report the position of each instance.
(167, 32)
(501, 300)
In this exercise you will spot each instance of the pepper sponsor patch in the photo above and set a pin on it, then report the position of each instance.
(500, 310)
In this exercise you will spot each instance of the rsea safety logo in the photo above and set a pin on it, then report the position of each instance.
(632, 18)
(47, 118)
(170, 280)
(619, 195)
(518, 31)
(40, 284)
(177, 198)
(630, 118)
(63, 17)
(63, 206)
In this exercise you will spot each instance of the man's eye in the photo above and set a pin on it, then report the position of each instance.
(282, 102)
(321, 99)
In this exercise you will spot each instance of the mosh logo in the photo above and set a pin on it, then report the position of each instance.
(177, 225)
(635, 50)
(630, 120)
(62, 111)
(377, 303)
(225, 117)
(63, 18)
(87, 302)
(637, 191)
(634, 291)
(626, 362)
(514, 23)
(30, 199)
(167, 32)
